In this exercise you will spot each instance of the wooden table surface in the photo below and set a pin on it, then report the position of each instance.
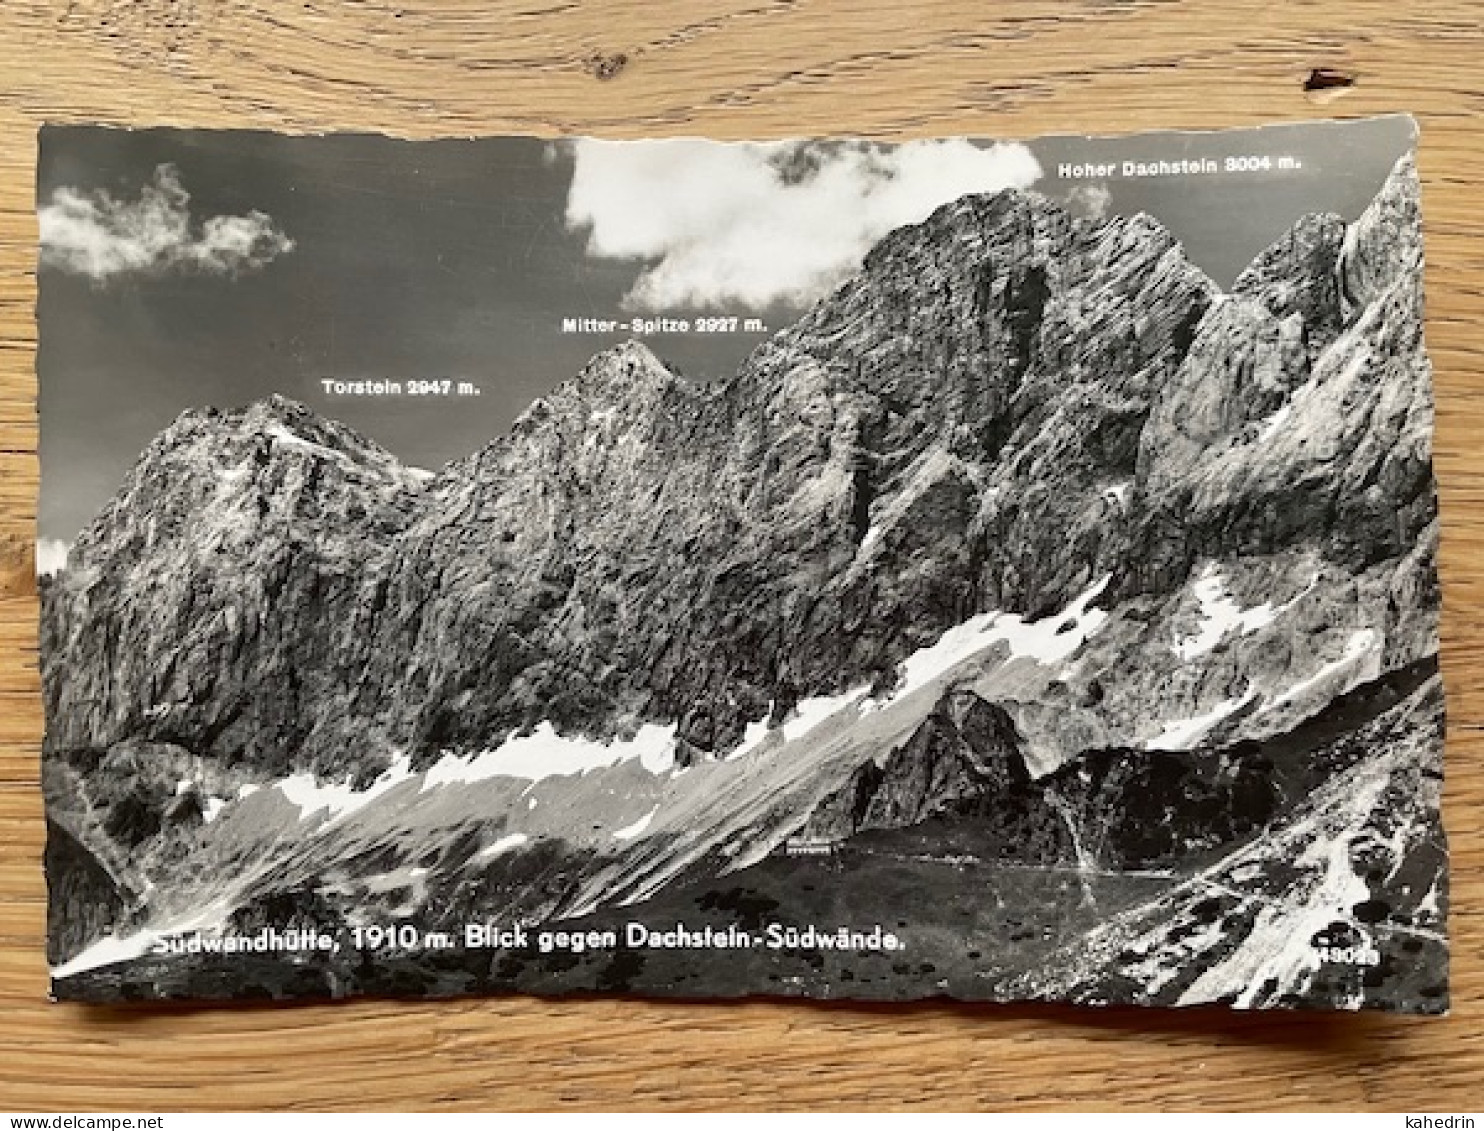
(742, 68)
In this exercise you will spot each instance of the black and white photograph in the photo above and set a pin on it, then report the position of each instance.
(827, 568)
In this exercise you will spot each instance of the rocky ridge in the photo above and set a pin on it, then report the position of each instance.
(1003, 407)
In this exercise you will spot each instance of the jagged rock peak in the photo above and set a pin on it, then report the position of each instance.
(978, 213)
(1299, 274)
(211, 467)
(624, 377)
(971, 211)
(1138, 230)
(630, 363)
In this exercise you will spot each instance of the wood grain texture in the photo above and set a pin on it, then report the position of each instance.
(741, 68)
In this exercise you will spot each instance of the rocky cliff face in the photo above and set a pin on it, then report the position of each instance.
(1006, 415)
(85, 901)
(966, 749)
(201, 606)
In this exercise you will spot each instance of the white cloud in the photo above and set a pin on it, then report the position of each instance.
(51, 556)
(755, 223)
(1090, 200)
(97, 235)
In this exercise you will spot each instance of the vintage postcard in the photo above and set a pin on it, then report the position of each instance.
(826, 568)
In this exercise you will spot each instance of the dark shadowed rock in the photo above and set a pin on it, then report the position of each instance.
(84, 898)
(966, 749)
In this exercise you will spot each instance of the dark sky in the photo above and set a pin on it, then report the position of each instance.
(452, 259)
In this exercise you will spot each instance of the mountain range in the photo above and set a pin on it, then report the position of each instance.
(1030, 579)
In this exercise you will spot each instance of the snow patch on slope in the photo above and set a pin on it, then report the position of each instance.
(1182, 734)
(1274, 423)
(1220, 615)
(1360, 644)
(809, 713)
(211, 807)
(338, 799)
(752, 737)
(546, 754)
(1050, 641)
(637, 829)
(503, 845)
